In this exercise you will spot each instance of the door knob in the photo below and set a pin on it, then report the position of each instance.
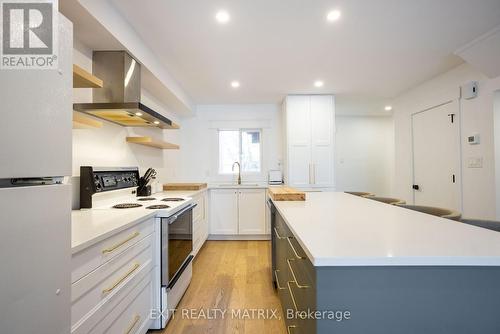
(416, 187)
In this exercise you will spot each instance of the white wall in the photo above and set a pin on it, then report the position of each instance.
(198, 155)
(364, 154)
(476, 117)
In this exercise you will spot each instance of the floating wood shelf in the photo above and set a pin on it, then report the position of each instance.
(81, 121)
(148, 141)
(84, 79)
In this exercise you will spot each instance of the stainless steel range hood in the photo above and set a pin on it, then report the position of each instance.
(119, 101)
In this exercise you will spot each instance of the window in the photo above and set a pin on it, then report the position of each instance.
(243, 146)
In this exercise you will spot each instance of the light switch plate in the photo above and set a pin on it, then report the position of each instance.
(475, 162)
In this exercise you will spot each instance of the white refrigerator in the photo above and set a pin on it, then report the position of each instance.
(35, 220)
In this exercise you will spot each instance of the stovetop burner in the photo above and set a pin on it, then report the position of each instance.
(127, 205)
(159, 206)
(147, 199)
(173, 199)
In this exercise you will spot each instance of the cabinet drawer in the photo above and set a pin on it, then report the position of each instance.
(287, 307)
(107, 307)
(136, 316)
(280, 229)
(91, 258)
(94, 288)
(132, 315)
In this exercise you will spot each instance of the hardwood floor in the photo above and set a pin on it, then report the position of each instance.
(231, 276)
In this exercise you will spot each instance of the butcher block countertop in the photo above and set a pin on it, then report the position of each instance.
(284, 193)
(184, 186)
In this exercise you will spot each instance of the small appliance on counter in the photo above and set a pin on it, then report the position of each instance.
(144, 189)
(275, 177)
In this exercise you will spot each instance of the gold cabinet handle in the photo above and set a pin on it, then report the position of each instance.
(277, 280)
(133, 324)
(124, 277)
(288, 328)
(277, 234)
(121, 243)
(300, 286)
(294, 251)
(292, 296)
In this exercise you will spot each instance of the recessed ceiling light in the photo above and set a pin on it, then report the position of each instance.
(318, 83)
(156, 122)
(222, 16)
(333, 15)
(235, 84)
(138, 113)
(388, 108)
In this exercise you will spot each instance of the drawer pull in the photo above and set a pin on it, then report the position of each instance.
(121, 243)
(289, 328)
(133, 324)
(292, 296)
(300, 286)
(130, 272)
(277, 234)
(294, 251)
(277, 280)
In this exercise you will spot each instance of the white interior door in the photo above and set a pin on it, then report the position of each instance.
(436, 156)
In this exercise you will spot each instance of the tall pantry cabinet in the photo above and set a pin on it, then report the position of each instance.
(309, 141)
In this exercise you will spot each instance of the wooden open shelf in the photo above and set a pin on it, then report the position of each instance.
(81, 121)
(148, 141)
(84, 79)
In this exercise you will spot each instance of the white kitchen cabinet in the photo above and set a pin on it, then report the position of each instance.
(310, 127)
(113, 282)
(251, 211)
(236, 212)
(224, 211)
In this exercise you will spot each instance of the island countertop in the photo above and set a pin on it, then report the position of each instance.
(338, 229)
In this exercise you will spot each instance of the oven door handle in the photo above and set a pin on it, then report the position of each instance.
(180, 213)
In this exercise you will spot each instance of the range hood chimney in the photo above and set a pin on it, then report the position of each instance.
(119, 100)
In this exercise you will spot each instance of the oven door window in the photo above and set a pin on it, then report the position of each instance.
(180, 242)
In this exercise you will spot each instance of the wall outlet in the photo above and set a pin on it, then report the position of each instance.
(475, 162)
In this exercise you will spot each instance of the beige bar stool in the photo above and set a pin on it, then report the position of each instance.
(489, 224)
(387, 200)
(359, 193)
(439, 212)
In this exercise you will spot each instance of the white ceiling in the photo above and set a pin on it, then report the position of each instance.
(275, 47)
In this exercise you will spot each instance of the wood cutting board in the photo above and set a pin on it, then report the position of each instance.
(286, 194)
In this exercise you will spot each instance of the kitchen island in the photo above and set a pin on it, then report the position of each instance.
(369, 267)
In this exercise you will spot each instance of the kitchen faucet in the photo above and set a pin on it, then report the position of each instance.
(239, 170)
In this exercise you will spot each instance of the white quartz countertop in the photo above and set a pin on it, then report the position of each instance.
(93, 225)
(338, 229)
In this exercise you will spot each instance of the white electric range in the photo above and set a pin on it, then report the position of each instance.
(115, 189)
